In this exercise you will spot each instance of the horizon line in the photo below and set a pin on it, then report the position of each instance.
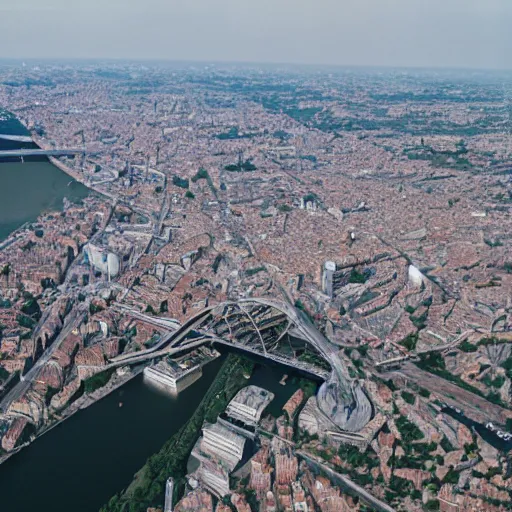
(213, 62)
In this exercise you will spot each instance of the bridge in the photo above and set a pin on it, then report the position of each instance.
(261, 326)
(155, 321)
(41, 152)
(16, 138)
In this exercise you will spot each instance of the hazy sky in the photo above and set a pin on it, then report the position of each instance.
(452, 33)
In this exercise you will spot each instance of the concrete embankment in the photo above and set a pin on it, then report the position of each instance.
(81, 403)
(77, 176)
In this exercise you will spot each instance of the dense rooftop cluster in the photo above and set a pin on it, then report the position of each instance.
(376, 203)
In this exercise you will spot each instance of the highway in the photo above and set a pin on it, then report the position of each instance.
(162, 323)
(177, 336)
(148, 353)
(139, 357)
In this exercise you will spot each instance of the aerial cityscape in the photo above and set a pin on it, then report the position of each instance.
(230, 284)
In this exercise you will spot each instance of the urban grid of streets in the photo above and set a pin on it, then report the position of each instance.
(354, 225)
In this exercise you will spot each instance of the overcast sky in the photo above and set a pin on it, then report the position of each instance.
(431, 33)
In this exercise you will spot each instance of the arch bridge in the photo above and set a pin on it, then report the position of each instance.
(277, 331)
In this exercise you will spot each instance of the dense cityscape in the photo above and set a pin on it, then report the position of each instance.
(351, 226)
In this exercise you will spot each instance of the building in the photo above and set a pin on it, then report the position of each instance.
(248, 404)
(102, 260)
(213, 477)
(327, 278)
(169, 490)
(171, 376)
(223, 444)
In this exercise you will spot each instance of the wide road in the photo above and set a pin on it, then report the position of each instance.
(140, 357)
(163, 323)
(73, 320)
(345, 482)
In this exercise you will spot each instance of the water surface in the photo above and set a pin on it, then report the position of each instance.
(30, 188)
(85, 460)
(80, 464)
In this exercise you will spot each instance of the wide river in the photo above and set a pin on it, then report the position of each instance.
(81, 463)
(31, 188)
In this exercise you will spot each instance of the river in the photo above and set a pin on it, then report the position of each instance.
(81, 463)
(31, 188)
(486, 434)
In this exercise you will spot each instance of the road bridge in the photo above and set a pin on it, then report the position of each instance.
(16, 138)
(159, 322)
(259, 326)
(140, 357)
(298, 365)
(147, 355)
(41, 152)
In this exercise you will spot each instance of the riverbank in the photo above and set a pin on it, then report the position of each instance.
(79, 464)
(115, 382)
(80, 404)
(77, 176)
(32, 187)
(148, 486)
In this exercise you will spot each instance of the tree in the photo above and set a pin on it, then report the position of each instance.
(201, 174)
(180, 182)
(150, 310)
(356, 277)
